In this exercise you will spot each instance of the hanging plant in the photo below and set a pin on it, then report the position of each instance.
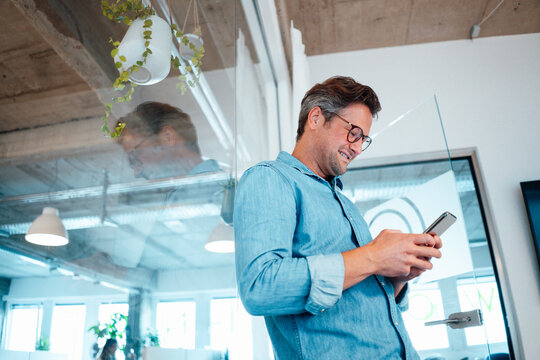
(143, 57)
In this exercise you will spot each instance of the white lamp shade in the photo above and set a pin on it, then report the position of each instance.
(158, 63)
(221, 240)
(47, 229)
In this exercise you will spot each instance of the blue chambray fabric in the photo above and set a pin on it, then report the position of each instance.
(291, 227)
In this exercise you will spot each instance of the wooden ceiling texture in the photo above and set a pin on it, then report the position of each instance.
(330, 26)
(55, 63)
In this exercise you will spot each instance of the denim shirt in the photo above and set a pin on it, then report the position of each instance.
(291, 227)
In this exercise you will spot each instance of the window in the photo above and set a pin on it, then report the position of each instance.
(425, 304)
(67, 330)
(484, 295)
(230, 328)
(175, 323)
(25, 327)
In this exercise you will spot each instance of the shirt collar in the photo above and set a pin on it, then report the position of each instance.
(290, 160)
(206, 166)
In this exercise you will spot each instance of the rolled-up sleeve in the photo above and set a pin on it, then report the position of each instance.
(327, 273)
(270, 279)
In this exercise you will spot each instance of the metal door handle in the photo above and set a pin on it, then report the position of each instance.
(460, 320)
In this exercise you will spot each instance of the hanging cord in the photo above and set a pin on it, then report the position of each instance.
(53, 185)
(187, 14)
(196, 14)
(491, 13)
(170, 13)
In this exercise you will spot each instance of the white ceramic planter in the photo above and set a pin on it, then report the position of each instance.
(158, 64)
(185, 51)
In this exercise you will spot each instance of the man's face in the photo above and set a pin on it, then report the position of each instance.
(333, 152)
(145, 154)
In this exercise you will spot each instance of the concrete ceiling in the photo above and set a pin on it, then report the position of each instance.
(330, 26)
(56, 74)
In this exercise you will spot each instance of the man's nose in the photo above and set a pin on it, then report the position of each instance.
(356, 147)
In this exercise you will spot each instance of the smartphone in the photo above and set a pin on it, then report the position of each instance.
(442, 224)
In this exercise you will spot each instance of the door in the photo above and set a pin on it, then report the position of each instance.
(455, 310)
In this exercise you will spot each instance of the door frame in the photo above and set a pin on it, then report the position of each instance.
(515, 344)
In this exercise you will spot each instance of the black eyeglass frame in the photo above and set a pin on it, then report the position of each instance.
(366, 140)
(133, 159)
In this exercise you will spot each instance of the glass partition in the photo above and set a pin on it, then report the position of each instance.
(148, 214)
(404, 182)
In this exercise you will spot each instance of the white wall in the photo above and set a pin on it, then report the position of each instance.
(489, 95)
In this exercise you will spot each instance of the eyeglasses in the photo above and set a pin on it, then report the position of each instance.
(355, 133)
(133, 156)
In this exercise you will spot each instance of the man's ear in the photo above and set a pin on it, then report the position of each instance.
(315, 118)
(168, 136)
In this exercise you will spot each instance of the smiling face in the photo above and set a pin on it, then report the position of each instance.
(330, 152)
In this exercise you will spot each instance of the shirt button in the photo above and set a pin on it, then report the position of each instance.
(323, 310)
(396, 323)
(382, 283)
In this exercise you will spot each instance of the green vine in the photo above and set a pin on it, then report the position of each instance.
(42, 344)
(126, 11)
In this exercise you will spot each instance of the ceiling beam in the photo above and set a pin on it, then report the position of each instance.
(50, 24)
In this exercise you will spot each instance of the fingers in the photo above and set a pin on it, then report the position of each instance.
(438, 241)
(424, 239)
(426, 252)
(421, 264)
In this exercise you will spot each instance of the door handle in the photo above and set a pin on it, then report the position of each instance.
(460, 320)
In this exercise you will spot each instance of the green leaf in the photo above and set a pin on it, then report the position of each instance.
(123, 58)
(114, 52)
(146, 43)
(118, 64)
(140, 63)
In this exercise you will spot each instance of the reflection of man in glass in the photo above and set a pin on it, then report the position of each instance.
(161, 141)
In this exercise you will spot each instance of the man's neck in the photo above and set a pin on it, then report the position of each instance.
(302, 153)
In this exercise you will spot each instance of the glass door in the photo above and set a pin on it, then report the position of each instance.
(405, 182)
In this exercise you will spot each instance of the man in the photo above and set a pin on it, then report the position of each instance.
(304, 256)
(161, 141)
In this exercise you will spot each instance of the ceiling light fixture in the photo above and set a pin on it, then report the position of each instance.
(221, 240)
(47, 229)
(475, 29)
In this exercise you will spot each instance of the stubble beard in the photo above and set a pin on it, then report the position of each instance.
(336, 165)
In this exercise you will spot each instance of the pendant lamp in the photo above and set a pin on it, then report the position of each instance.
(47, 229)
(221, 240)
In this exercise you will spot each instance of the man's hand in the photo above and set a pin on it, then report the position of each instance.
(400, 281)
(392, 254)
(395, 254)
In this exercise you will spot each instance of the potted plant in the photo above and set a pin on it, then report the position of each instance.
(43, 344)
(115, 329)
(143, 57)
(151, 338)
